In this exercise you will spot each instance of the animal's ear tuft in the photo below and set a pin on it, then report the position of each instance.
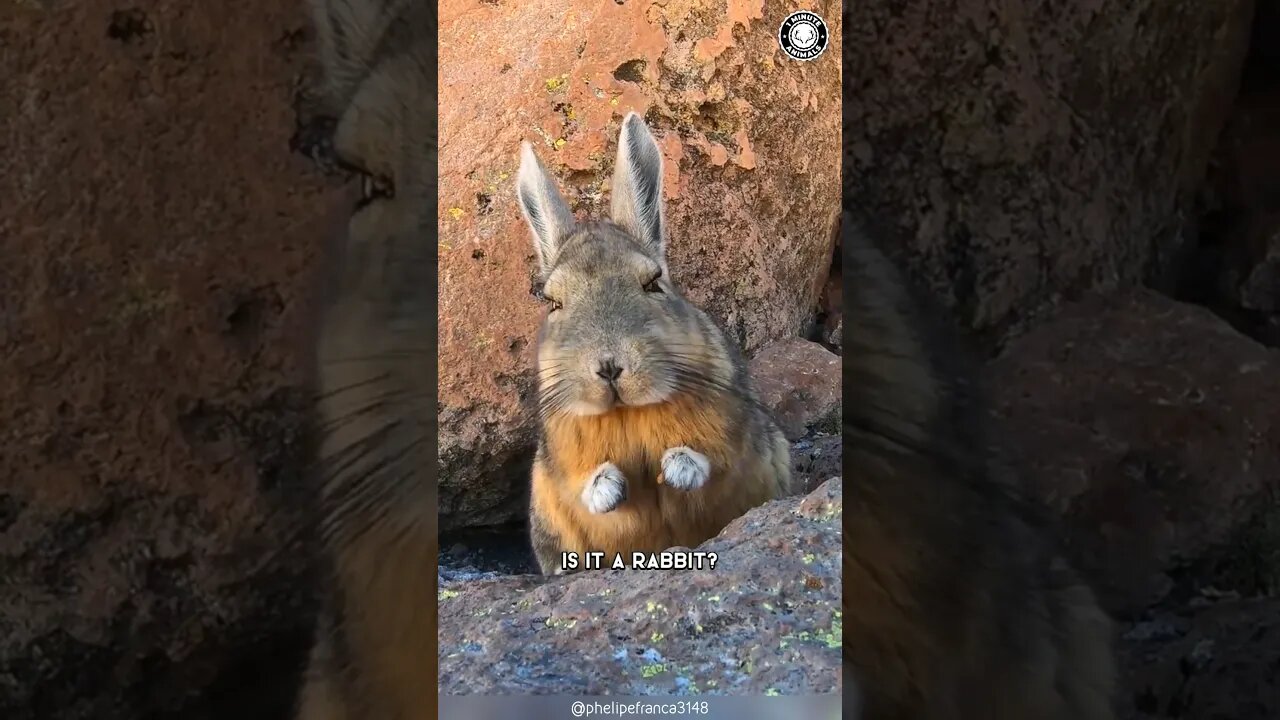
(351, 33)
(636, 205)
(545, 211)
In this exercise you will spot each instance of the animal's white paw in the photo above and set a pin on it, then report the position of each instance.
(685, 469)
(606, 489)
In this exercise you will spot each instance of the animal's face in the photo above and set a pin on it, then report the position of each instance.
(617, 331)
(380, 75)
(377, 118)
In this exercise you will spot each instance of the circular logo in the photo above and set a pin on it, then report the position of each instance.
(803, 35)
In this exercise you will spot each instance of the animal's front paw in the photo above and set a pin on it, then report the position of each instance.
(684, 468)
(606, 489)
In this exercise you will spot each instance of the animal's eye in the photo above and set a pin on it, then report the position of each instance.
(538, 292)
(374, 188)
(653, 286)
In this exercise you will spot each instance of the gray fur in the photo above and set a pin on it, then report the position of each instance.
(349, 33)
(595, 277)
(376, 389)
(546, 545)
(544, 209)
(619, 333)
(636, 187)
(851, 696)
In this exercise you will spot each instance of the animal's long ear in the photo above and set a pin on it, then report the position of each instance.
(636, 205)
(545, 211)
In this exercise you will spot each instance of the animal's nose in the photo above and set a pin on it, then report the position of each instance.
(608, 369)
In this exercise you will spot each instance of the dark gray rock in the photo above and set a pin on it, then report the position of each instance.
(1216, 661)
(1151, 426)
(1019, 153)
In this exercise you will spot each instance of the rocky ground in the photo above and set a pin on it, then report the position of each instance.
(765, 620)
(1212, 657)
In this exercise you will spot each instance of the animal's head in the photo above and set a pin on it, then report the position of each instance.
(377, 117)
(379, 64)
(617, 331)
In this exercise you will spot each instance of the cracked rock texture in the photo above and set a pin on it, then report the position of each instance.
(1017, 154)
(765, 619)
(751, 144)
(158, 241)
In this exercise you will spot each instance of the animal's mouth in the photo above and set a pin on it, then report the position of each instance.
(599, 395)
(610, 399)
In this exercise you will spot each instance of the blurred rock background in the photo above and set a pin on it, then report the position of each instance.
(1090, 189)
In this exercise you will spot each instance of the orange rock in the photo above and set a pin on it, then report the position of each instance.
(563, 80)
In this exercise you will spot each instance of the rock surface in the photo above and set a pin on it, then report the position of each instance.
(765, 619)
(1031, 151)
(1214, 661)
(1143, 422)
(158, 241)
(800, 382)
(749, 204)
(814, 458)
(1248, 178)
(1239, 259)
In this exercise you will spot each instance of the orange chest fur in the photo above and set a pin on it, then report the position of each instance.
(634, 438)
